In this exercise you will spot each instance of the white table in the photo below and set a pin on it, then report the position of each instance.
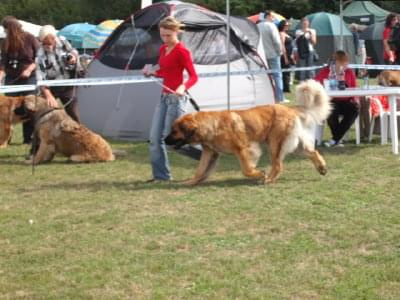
(391, 92)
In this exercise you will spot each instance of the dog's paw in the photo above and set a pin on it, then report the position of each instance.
(267, 180)
(322, 170)
(191, 182)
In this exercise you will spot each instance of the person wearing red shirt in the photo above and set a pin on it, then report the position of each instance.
(344, 110)
(174, 59)
(388, 54)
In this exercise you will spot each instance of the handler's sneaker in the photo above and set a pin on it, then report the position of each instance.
(330, 143)
(333, 143)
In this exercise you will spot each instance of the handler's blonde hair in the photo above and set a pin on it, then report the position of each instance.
(171, 23)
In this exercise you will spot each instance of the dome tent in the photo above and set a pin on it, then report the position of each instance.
(328, 35)
(364, 12)
(125, 112)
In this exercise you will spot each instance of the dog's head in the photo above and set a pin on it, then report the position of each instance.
(182, 132)
(29, 106)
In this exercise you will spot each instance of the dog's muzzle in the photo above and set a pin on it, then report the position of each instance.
(22, 112)
(177, 143)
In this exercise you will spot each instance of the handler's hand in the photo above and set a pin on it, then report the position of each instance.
(180, 91)
(51, 101)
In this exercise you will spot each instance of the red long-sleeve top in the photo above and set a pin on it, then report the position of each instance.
(172, 66)
(349, 77)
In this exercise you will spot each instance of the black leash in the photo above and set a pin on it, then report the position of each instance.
(192, 101)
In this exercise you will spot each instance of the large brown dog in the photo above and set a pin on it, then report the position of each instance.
(8, 118)
(389, 78)
(240, 132)
(59, 133)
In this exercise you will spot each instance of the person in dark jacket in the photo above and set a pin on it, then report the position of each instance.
(17, 64)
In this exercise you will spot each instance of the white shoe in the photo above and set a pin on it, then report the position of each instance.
(330, 143)
(285, 101)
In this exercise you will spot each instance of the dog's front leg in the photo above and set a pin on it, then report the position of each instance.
(208, 161)
(248, 163)
(45, 153)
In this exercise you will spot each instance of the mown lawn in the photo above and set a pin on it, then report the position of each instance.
(98, 231)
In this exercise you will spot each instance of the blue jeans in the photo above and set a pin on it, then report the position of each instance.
(307, 62)
(167, 111)
(275, 64)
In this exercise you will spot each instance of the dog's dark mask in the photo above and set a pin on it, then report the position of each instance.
(23, 112)
(174, 139)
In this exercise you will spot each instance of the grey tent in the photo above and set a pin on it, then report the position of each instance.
(364, 12)
(373, 35)
(328, 35)
(126, 112)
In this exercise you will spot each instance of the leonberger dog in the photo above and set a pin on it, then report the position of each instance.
(8, 118)
(389, 78)
(59, 133)
(240, 132)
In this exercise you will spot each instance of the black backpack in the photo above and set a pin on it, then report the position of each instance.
(303, 47)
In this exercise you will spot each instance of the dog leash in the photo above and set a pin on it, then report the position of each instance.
(188, 95)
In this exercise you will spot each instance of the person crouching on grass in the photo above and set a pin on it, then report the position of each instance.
(344, 109)
(174, 59)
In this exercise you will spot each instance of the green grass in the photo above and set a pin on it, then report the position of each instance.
(99, 232)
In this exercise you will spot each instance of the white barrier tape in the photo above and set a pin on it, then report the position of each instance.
(94, 81)
(139, 78)
(17, 88)
(374, 67)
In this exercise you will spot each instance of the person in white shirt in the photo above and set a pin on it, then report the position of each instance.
(273, 50)
(306, 39)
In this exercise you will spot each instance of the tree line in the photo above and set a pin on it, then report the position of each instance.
(63, 12)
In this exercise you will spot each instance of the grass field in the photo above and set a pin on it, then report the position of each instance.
(98, 231)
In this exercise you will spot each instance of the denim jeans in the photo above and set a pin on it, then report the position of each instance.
(167, 111)
(275, 64)
(307, 62)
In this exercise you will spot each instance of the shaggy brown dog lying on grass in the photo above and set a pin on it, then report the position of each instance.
(58, 133)
(240, 132)
(8, 118)
(389, 78)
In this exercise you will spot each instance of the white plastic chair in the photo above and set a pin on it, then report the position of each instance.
(384, 122)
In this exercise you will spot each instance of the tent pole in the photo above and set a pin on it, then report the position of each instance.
(228, 65)
(341, 26)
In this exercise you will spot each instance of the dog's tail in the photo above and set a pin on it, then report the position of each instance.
(312, 97)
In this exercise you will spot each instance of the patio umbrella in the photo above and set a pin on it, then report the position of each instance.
(74, 33)
(95, 37)
(255, 18)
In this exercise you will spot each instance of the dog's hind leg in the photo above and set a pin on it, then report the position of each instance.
(208, 161)
(316, 159)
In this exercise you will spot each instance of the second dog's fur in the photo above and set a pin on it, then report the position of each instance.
(59, 133)
(240, 132)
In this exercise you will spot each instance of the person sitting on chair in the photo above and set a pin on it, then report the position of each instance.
(344, 109)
